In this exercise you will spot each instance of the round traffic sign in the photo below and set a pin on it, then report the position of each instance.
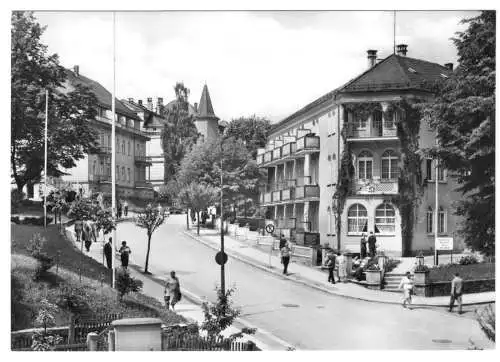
(270, 228)
(221, 258)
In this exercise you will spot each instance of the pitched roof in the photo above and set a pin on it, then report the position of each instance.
(206, 110)
(102, 94)
(396, 73)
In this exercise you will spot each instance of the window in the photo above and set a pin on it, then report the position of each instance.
(365, 165)
(389, 122)
(442, 221)
(123, 146)
(428, 169)
(117, 145)
(101, 169)
(359, 123)
(123, 174)
(357, 219)
(109, 140)
(129, 148)
(128, 174)
(385, 219)
(94, 166)
(441, 174)
(430, 220)
(390, 170)
(117, 172)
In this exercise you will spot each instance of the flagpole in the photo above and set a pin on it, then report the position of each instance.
(113, 160)
(45, 160)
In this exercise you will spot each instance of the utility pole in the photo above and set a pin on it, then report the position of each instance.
(113, 159)
(436, 208)
(45, 165)
(222, 272)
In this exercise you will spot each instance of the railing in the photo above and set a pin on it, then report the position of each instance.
(306, 191)
(268, 197)
(377, 130)
(268, 156)
(142, 159)
(288, 149)
(103, 150)
(260, 159)
(198, 343)
(287, 194)
(277, 153)
(366, 187)
(277, 195)
(308, 142)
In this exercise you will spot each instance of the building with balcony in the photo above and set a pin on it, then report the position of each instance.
(93, 173)
(304, 153)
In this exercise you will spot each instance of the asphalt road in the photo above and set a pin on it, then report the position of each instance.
(304, 317)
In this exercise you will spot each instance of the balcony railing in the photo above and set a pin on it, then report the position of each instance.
(277, 153)
(306, 191)
(287, 194)
(308, 142)
(377, 130)
(268, 156)
(260, 159)
(142, 159)
(103, 150)
(288, 149)
(277, 195)
(268, 197)
(374, 187)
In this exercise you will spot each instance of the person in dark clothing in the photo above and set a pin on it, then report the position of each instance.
(193, 216)
(363, 246)
(119, 210)
(108, 252)
(285, 252)
(282, 241)
(330, 264)
(372, 241)
(124, 254)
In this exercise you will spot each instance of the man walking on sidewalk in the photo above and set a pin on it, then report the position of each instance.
(407, 285)
(330, 264)
(456, 293)
(108, 253)
(124, 254)
(285, 252)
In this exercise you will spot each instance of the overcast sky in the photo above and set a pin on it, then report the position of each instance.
(264, 63)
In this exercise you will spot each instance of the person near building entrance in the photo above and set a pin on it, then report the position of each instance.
(285, 252)
(372, 242)
(108, 253)
(124, 254)
(125, 208)
(330, 264)
(456, 293)
(363, 246)
(407, 285)
(172, 292)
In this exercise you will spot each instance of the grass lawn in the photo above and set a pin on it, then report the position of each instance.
(467, 272)
(97, 297)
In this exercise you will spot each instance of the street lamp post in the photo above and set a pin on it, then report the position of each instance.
(335, 205)
(222, 271)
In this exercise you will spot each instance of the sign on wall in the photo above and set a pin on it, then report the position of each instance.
(444, 244)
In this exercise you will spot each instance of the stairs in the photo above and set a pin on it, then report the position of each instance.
(391, 282)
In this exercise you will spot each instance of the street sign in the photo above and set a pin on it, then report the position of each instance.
(270, 228)
(444, 244)
(221, 258)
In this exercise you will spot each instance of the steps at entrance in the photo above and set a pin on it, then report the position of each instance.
(391, 282)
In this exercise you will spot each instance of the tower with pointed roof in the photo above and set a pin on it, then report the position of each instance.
(207, 122)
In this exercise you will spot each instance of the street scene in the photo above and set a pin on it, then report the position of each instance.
(223, 203)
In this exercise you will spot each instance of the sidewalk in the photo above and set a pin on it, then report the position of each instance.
(315, 278)
(190, 305)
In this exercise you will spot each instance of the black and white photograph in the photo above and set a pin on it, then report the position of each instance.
(194, 179)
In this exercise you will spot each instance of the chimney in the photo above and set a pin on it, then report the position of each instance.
(150, 104)
(159, 105)
(402, 49)
(196, 107)
(76, 70)
(372, 57)
(449, 66)
(131, 100)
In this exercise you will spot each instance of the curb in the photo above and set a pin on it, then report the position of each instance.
(308, 283)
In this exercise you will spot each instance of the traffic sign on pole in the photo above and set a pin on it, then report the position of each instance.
(221, 258)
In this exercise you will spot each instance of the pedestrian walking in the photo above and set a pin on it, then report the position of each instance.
(363, 246)
(125, 208)
(282, 241)
(193, 215)
(124, 254)
(160, 209)
(372, 242)
(119, 209)
(342, 261)
(78, 229)
(285, 252)
(457, 284)
(87, 234)
(108, 253)
(330, 264)
(407, 285)
(172, 292)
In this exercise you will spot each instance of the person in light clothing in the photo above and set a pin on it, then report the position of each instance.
(172, 292)
(407, 285)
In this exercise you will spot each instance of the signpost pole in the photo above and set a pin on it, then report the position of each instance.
(436, 211)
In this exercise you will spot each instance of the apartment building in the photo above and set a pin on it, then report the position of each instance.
(304, 153)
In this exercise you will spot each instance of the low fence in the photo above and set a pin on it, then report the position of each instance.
(85, 324)
(198, 343)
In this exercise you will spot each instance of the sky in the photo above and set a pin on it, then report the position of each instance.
(268, 63)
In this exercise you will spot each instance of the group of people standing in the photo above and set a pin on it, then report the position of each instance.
(122, 209)
(372, 245)
(86, 231)
(124, 253)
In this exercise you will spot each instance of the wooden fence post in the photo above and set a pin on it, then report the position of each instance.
(71, 329)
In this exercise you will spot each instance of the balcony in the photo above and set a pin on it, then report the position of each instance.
(288, 149)
(260, 159)
(144, 160)
(143, 184)
(307, 143)
(277, 196)
(307, 192)
(374, 187)
(378, 131)
(268, 197)
(277, 153)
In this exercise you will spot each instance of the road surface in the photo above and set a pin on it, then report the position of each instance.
(304, 317)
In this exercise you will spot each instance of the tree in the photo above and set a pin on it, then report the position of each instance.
(126, 284)
(69, 135)
(104, 221)
(83, 209)
(463, 115)
(179, 133)
(198, 197)
(149, 219)
(252, 130)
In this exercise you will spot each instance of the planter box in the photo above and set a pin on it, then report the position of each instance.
(373, 279)
(421, 278)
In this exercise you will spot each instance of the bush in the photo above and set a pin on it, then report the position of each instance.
(15, 199)
(391, 264)
(126, 284)
(421, 268)
(467, 260)
(45, 262)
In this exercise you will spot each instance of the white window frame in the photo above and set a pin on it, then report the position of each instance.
(385, 224)
(365, 159)
(442, 229)
(429, 214)
(392, 157)
(359, 224)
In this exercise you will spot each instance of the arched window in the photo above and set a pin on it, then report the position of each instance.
(357, 219)
(365, 165)
(441, 221)
(430, 220)
(385, 219)
(390, 169)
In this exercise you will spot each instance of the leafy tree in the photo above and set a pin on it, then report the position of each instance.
(83, 209)
(252, 130)
(179, 133)
(43, 341)
(463, 115)
(104, 221)
(150, 219)
(198, 197)
(126, 284)
(69, 135)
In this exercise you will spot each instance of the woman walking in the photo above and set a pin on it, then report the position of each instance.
(172, 292)
(407, 285)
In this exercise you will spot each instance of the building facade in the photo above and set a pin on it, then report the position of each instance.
(311, 194)
(93, 173)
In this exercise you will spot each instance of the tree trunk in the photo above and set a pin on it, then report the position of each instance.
(245, 208)
(147, 255)
(198, 222)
